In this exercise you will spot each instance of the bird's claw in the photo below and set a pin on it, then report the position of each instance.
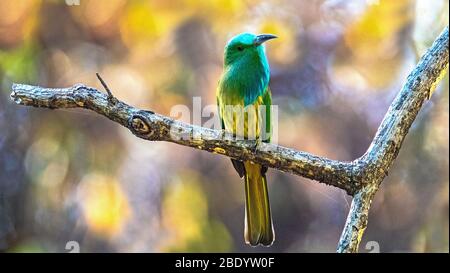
(256, 145)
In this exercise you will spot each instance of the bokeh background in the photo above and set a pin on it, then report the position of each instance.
(72, 175)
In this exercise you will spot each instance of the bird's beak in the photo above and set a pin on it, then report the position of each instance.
(263, 38)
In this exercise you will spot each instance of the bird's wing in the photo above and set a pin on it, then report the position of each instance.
(218, 112)
(266, 134)
(267, 102)
(238, 165)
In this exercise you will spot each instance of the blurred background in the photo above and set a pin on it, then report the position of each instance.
(72, 175)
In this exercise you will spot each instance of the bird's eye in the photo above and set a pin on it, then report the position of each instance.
(240, 48)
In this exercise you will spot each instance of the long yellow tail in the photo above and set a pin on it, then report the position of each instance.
(258, 220)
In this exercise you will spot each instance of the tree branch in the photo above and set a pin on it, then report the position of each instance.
(375, 163)
(359, 178)
(155, 127)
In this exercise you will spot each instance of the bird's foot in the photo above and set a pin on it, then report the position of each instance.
(256, 145)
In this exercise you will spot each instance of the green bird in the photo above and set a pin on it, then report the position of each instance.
(245, 84)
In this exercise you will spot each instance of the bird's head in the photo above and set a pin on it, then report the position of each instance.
(246, 47)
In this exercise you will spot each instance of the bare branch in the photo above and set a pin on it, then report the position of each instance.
(110, 95)
(360, 178)
(388, 140)
(155, 127)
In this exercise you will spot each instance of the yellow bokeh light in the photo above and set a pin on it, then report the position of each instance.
(185, 210)
(143, 22)
(283, 50)
(185, 217)
(371, 35)
(105, 205)
(18, 20)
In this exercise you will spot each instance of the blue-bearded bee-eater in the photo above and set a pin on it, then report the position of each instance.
(245, 83)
